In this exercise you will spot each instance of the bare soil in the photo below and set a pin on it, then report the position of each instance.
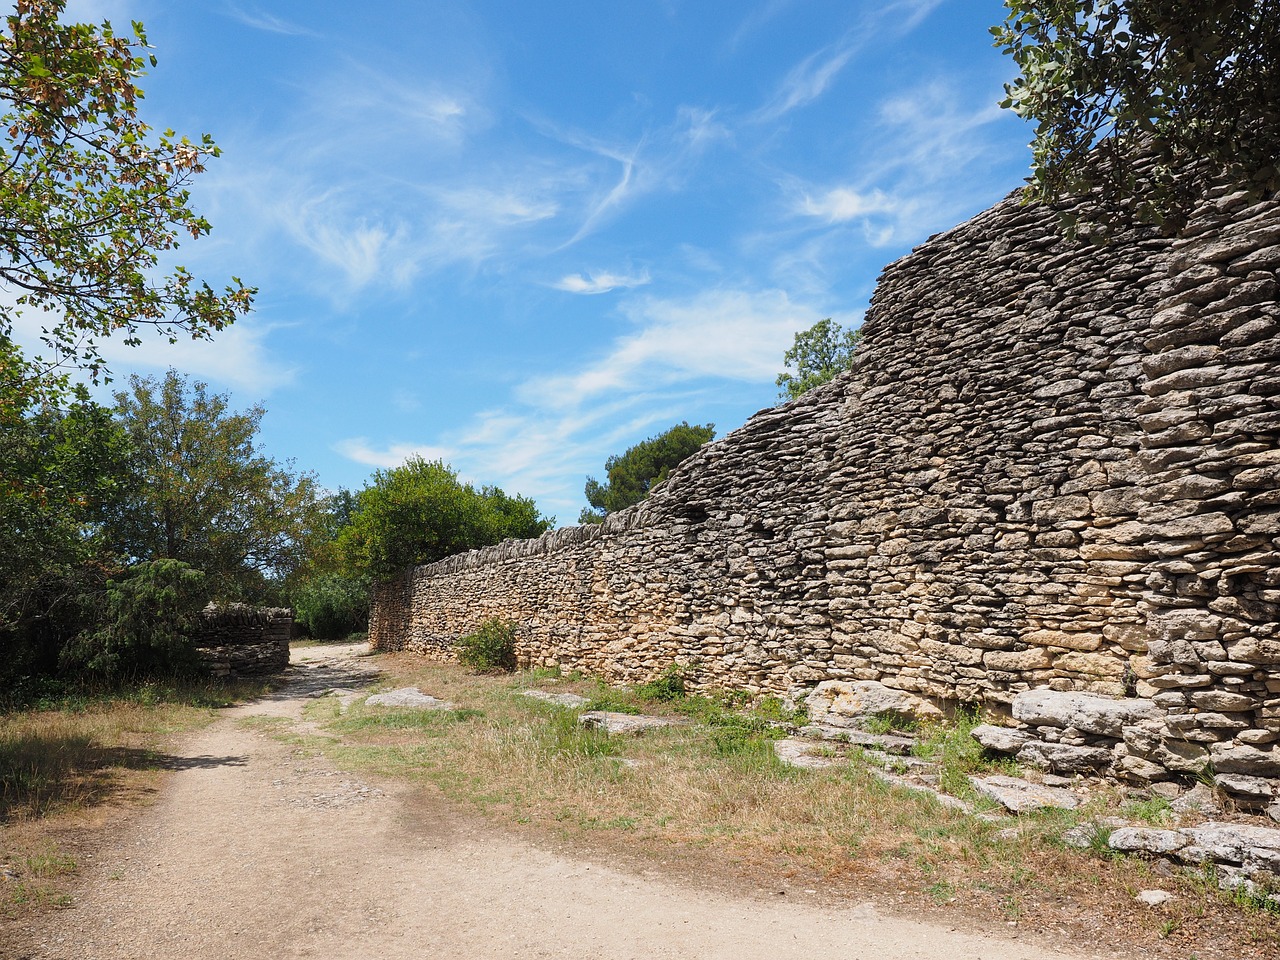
(255, 847)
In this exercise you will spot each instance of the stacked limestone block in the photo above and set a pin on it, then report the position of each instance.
(236, 640)
(1211, 521)
(1052, 467)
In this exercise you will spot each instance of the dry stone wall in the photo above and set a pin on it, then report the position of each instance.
(1053, 466)
(236, 640)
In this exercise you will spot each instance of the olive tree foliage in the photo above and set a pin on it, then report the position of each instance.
(421, 512)
(817, 355)
(1137, 101)
(91, 197)
(633, 474)
(200, 491)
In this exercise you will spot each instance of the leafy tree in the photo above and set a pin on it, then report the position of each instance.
(420, 512)
(1131, 96)
(632, 475)
(331, 606)
(90, 196)
(201, 492)
(817, 355)
(62, 459)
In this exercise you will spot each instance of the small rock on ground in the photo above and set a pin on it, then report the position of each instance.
(1154, 898)
(410, 697)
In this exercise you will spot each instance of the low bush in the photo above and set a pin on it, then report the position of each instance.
(491, 649)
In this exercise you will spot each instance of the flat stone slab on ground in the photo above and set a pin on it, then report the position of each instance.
(410, 697)
(888, 742)
(1020, 796)
(795, 753)
(625, 722)
(570, 700)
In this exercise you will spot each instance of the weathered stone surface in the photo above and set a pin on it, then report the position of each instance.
(1154, 898)
(1000, 739)
(570, 701)
(1020, 796)
(1147, 840)
(624, 723)
(1245, 787)
(1066, 758)
(1246, 759)
(1198, 801)
(408, 697)
(887, 742)
(237, 640)
(1251, 847)
(799, 753)
(837, 703)
(1091, 714)
(1050, 467)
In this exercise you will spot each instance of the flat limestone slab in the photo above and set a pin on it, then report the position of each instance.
(570, 700)
(795, 753)
(1019, 796)
(410, 697)
(626, 722)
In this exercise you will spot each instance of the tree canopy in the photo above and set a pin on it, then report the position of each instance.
(817, 355)
(633, 474)
(91, 197)
(60, 465)
(421, 512)
(200, 491)
(1133, 97)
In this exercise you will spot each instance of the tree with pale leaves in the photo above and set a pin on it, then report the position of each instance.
(91, 197)
(1138, 103)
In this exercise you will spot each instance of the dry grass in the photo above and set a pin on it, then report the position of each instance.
(722, 793)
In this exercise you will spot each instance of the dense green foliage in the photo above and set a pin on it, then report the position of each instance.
(491, 649)
(201, 492)
(421, 512)
(61, 461)
(817, 356)
(633, 474)
(330, 606)
(1131, 96)
(90, 196)
(143, 623)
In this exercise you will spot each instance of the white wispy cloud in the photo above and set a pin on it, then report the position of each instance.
(268, 22)
(603, 282)
(807, 81)
(239, 357)
(362, 451)
(925, 166)
(843, 203)
(668, 344)
(649, 378)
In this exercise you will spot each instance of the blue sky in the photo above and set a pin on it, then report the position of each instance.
(522, 236)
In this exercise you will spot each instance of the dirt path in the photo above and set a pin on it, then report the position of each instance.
(255, 850)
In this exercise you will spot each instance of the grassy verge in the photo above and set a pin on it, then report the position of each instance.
(74, 753)
(715, 789)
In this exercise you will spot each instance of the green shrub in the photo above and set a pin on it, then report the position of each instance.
(491, 649)
(142, 624)
(668, 686)
(331, 606)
